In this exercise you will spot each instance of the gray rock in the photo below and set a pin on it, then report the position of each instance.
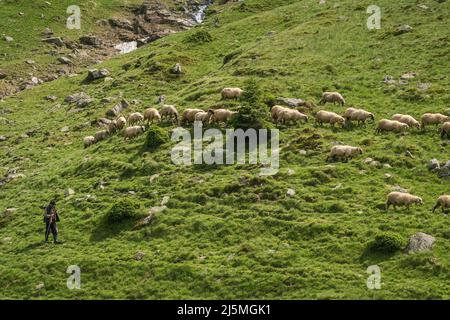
(290, 192)
(90, 41)
(69, 192)
(118, 108)
(8, 38)
(64, 60)
(29, 61)
(176, 69)
(74, 98)
(420, 242)
(65, 129)
(3, 138)
(47, 32)
(51, 98)
(399, 189)
(57, 41)
(139, 256)
(3, 74)
(290, 102)
(95, 74)
(434, 165)
(84, 102)
(403, 29)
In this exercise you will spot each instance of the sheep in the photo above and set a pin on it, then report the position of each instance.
(287, 116)
(135, 118)
(361, 116)
(120, 123)
(88, 141)
(101, 135)
(332, 97)
(231, 93)
(152, 114)
(443, 202)
(344, 152)
(134, 131)
(433, 118)
(188, 115)
(169, 112)
(276, 110)
(221, 115)
(112, 126)
(329, 117)
(348, 113)
(445, 130)
(405, 118)
(202, 116)
(402, 199)
(391, 125)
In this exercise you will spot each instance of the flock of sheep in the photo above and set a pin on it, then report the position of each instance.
(285, 115)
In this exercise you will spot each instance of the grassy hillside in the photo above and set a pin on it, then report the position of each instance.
(228, 233)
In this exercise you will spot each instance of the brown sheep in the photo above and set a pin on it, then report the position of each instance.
(135, 117)
(120, 123)
(151, 114)
(88, 141)
(169, 112)
(287, 116)
(344, 152)
(433, 119)
(445, 130)
(188, 115)
(329, 117)
(231, 93)
(443, 202)
(391, 125)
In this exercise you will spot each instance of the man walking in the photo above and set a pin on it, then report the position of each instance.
(50, 219)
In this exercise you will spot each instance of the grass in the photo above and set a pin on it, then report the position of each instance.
(227, 233)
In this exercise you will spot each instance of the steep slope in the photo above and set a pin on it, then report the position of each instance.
(228, 233)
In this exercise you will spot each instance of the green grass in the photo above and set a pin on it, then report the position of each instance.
(228, 233)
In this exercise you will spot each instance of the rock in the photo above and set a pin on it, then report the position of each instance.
(290, 172)
(74, 98)
(153, 178)
(102, 122)
(408, 76)
(121, 23)
(139, 256)
(51, 98)
(420, 242)
(161, 99)
(403, 29)
(84, 102)
(118, 108)
(7, 240)
(47, 32)
(176, 69)
(3, 138)
(303, 152)
(57, 41)
(423, 86)
(290, 102)
(388, 176)
(8, 38)
(290, 192)
(90, 41)
(65, 129)
(95, 74)
(165, 200)
(3, 74)
(69, 192)
(409, 154)
(30, 61)
(387, 166)
(9, 211)
(433, 165)
(64, 60)
(40, 286)
(399, 189)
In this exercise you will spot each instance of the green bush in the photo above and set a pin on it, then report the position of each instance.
(387, 242)
(156, 136)
(122, 210)
(201, 36)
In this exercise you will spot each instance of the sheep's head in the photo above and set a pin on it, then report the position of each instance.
(419, 201)
(372, 116)
(306, 118)
(210, 112)
(143, 128)
(360, 151)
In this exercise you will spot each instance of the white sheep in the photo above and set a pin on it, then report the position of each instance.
(88, 141)
(405, 118)
(134, 131)
(135, 117)
(151, 114)
(402, 199)
(112, 126)
(287, 116)
(120, 123)
(391, 125)
(188, 115)
(101, 135)
(169, 112)
(359, 115)
(332, 97)
(329, 117)
(202, 116)
(443, 202)
(276, 110)
(445, 130)
(231, 93)
(433, 118)
(221, 115)
(344, 152)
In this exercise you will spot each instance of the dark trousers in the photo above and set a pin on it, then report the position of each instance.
(51, 227)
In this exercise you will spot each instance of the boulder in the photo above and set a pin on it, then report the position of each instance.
(3, 74)
(8, 38)
(57, 41)
(74, 98)
(64, 60)
(403, 29)
(139, 256)
(176, 69)
(290, 102)
(3, 138)
(118, 108)
(69, 192)
(290, 192)
(90, 41)
(51, 98)
(434, 165)
(420, 242)
(95, 74)
(47, 32)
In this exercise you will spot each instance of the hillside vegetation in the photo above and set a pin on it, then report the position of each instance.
(228, 233)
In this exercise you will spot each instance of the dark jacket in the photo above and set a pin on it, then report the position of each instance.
(48, 212)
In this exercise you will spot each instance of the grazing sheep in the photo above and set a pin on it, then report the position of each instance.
(329, 117)
(135, 118)
(168, 112)
(445, 130)
(361, 116)
(152, 114)
(202, 116)
(443, 202)
(276, 110)
(287, 116)
(221, 115)
(402, 199)
(188, 115)
(344, 152)
(231, 93)
(134, 131)
(112, 126)
(348, 113)
(391, 125)
(433, 118)
(101, 135)
(120, 123)
(88, 141)
(405, 118)
(332, 97)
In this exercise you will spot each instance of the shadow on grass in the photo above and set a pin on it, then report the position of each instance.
(105, 229)
(372, 256)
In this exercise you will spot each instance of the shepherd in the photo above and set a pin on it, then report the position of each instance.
(50, 219)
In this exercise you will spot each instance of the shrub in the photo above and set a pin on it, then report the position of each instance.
(156, 136)
(201, 36)
(122, 210)
(387, 242)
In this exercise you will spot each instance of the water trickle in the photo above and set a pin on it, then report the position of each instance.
(126, 47)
